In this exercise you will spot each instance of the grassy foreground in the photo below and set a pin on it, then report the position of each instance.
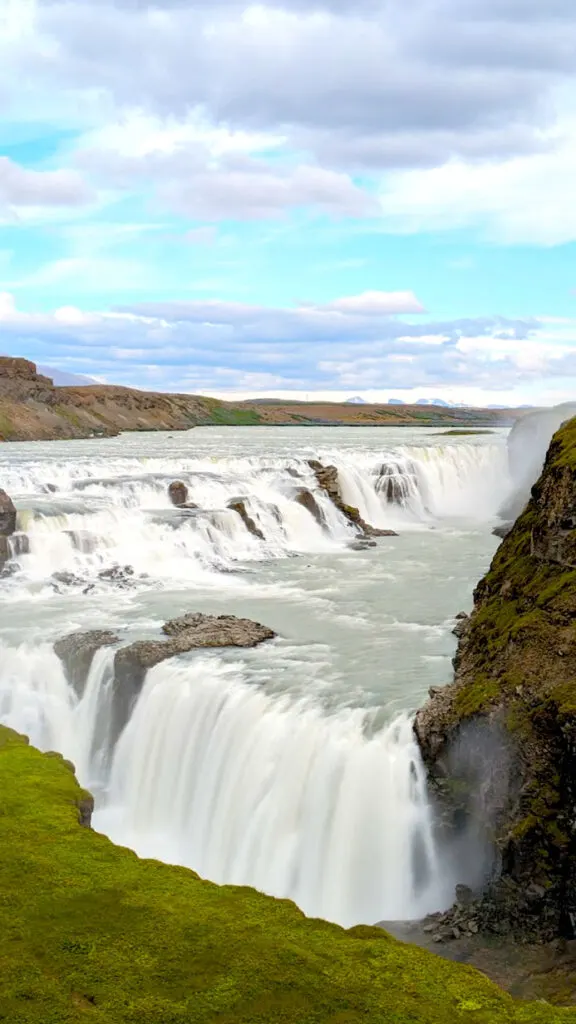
(90, 933)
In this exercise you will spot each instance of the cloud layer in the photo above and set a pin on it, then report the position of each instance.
(347, 344)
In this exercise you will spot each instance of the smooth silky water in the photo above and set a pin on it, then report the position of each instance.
(291, 767)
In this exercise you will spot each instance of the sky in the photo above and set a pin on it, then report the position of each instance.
(323, 198)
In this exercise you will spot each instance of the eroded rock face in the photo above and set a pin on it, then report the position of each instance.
(500, 741)
(7, 515)
(76, 652)
(238, 505)
(327, 478)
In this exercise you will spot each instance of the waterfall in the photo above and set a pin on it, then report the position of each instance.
(224, 765)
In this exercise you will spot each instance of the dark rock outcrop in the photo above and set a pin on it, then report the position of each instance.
(306, 499)
(327, 479)
(7, 515)
(178, 494)
(502, 530)
(238, 505)
(188, 633)
(76, 652)
(500, 741)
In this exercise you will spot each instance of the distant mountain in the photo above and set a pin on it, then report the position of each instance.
(356, 401)
(395, 401)
(434, 401)
(63, 379)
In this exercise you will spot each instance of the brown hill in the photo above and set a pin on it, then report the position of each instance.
(33, 408)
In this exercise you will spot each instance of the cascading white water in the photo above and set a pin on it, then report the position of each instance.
(213, 774)
(84, 516)
(36, 700)
(311, 799)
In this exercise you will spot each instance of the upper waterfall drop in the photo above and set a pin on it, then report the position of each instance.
(82, 517)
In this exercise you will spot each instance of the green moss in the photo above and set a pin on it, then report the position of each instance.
(92, 933)
(6, 427)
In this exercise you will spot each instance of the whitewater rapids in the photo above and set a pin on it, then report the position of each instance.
(292, 768)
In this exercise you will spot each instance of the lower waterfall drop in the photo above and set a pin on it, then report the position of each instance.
(249, 790)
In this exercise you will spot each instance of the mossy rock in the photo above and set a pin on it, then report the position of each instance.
(92, 933)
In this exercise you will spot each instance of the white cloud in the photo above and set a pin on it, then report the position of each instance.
(377, 303)
(21, 187)
(525, 199)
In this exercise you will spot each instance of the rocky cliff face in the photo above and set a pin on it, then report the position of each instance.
(32, 408)
(500, 741)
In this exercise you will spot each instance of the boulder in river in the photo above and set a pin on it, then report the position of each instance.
(238, 505)
(178, 494)
(7, 515)
(76, 652)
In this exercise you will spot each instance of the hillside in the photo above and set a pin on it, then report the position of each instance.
(33, 408)
(92, 933)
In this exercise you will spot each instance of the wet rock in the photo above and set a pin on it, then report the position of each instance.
(238, 505)
(122, 575)
(392, 485)
(362, 545)
(327, 479)
(7, 515)
(187, 633)
(5, 552)
(76, 652)
(19, 544)
(66, 579)
(306, 499)
(178, 494)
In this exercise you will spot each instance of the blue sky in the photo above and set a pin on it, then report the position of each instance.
(327, 198)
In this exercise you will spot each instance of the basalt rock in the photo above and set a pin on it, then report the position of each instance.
(76, 652)
(306, 499)
(502, 530)
(327, 479)
(499, 743)
(187, 633)
(7, 515)
(178, 494)
(238, 505)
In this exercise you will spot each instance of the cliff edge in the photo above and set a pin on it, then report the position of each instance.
(500, 741)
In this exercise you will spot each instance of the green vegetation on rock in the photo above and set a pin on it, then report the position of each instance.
(90, 933)
(516, 682)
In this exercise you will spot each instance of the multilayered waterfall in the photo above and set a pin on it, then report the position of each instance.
(267, 769)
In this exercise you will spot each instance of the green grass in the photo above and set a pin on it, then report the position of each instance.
(90, 933)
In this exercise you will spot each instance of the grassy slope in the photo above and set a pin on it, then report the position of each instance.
(90, 933)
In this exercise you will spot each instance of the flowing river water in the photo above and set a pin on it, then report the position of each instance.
(290, 767)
